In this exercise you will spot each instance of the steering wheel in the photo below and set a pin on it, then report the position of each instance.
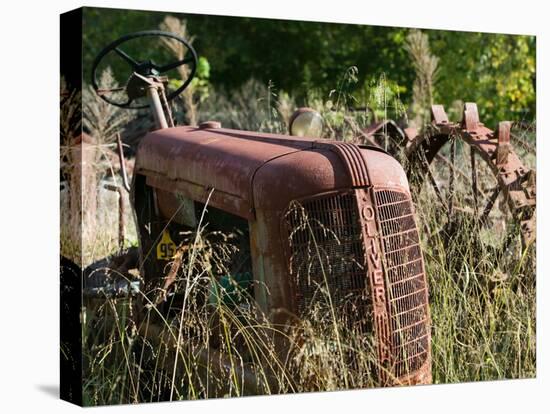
(146, 68)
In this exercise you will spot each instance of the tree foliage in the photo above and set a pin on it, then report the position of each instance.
(497, 71)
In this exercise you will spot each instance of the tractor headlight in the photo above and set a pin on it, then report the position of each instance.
(305, 122)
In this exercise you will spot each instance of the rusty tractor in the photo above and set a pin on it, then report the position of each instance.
(309, 214)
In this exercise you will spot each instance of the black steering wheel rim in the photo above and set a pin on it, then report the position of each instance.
(145, 66)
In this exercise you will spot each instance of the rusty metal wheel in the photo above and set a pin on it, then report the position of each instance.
(474, 171)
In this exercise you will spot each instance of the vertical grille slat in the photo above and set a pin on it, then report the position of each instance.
(328, 227)
(406, 290)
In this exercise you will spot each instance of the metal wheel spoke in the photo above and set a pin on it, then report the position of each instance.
(426, 166)
(489, 206)
(452, 175)
(174, 65)
(474, 177)
(126, 57)
(447, 162)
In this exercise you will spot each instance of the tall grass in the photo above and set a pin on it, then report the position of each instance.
(211, 345)
(205, 341)
(200, 340)
(482, 279)
(482, 303)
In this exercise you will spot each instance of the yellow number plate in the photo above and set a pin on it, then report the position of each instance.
(166, 249)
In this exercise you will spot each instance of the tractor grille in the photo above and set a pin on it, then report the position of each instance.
(327, 249)
(406, 284)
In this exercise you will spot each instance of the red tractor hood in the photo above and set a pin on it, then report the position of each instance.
(194, 161)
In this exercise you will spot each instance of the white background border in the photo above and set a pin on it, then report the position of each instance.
(29, 218)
